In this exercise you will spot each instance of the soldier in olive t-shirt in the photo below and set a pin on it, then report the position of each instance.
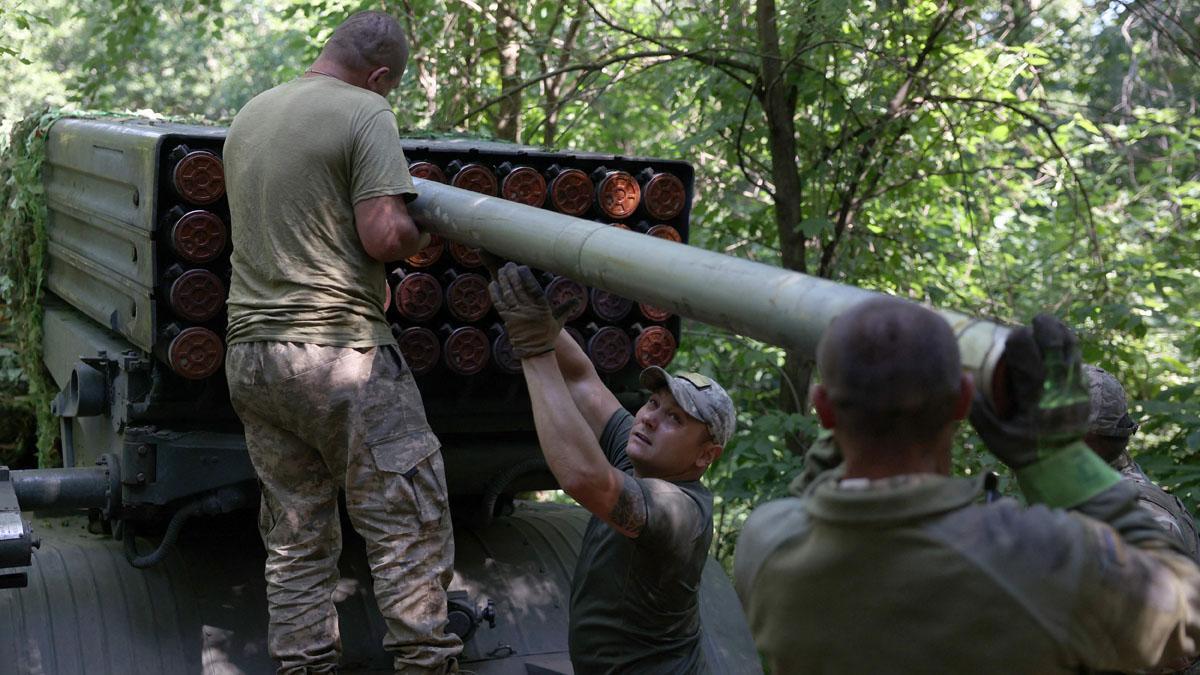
(317, 186)
(635, 592)
(300, 273)
(635, 600)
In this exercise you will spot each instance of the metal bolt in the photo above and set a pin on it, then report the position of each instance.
(143, 449)
(141, 477)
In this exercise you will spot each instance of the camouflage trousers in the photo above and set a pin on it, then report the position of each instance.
(318, 419)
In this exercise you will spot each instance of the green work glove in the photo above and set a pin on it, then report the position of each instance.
(532, 324)
(1041, 439)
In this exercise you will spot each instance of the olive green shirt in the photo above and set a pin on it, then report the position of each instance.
(914, 575)
(635, 602)
(297, 159)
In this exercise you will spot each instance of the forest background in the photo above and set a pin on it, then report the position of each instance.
(998, 157)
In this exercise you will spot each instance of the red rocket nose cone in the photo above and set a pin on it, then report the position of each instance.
(618, 195)
(199, 177)
(609, 349)
(524, 185)
(476, 178)
(654, 346)
(198, 236)
(664, 196)
(468, 297)
(418, 296)
(196, 353)
(426, 170)
(197, 295)
(467, 350)
(571, 192)
(421, 349)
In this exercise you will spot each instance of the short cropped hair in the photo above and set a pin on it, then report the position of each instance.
(891, 369)
(369, 40)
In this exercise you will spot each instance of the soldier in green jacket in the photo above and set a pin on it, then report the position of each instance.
(890, 565)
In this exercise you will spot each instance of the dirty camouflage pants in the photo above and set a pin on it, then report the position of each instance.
(322, 418)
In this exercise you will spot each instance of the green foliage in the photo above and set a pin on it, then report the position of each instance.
(995, 158)
(186, 58)
(756, 465)
(18, 423)
(22, 259)
(22, 19)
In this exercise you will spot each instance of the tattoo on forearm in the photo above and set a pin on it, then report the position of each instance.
(629, 513)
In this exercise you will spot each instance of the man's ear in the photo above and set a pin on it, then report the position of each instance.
(377, 80)
(709, 454)
(820, 399)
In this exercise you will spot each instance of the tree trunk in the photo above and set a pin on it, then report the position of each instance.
(778, 100)
(552, 89)
(508, 123)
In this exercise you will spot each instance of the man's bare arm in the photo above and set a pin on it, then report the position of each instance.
(572, 449)
(594, 400)
(386, 229)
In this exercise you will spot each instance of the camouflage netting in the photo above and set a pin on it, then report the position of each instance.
(26, 388)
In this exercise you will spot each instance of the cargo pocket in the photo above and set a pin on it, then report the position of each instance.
(416, 468)
(429, 489)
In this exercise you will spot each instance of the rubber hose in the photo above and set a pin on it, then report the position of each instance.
(168, 540)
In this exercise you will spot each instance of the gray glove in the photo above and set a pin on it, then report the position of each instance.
(1048, 398)
(1041, 435)
(532, 324)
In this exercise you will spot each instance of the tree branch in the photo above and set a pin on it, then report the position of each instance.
(723, 64)
(1044, 127)
(585, 67)
(898, 107)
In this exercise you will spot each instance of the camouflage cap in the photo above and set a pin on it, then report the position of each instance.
(700, 396)
(1110, 413)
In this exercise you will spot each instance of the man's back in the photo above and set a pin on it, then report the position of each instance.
(925, 579)
(298, 157)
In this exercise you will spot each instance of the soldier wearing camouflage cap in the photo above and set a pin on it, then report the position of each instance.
(635, 591)
(1109, 430)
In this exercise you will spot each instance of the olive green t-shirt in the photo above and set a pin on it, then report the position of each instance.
(297, 159)
(635, 602)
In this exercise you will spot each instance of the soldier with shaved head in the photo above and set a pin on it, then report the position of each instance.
(892, 379)
(317, 186)
(889, 564)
